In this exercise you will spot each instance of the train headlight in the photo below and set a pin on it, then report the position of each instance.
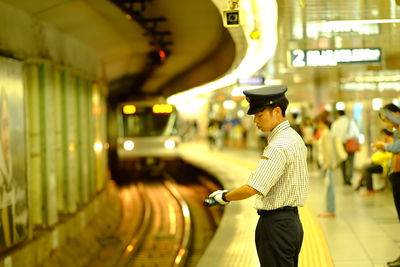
(169, 144)
(129, 145)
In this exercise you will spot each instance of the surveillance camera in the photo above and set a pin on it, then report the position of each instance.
(233, 17)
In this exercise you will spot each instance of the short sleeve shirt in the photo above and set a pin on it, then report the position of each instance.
(281, 175)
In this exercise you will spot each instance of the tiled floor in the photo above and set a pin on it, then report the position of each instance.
(365, 232)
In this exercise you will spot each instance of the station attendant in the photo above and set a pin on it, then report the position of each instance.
(280, 180)
(390, 115)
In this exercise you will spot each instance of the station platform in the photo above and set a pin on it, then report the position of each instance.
(364, 233)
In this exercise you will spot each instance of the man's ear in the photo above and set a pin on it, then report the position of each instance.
(277, 111)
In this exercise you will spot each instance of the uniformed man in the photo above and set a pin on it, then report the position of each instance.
(280, 180)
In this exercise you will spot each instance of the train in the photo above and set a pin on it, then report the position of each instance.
(147, 135)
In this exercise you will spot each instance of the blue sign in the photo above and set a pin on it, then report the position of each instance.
(251, 81)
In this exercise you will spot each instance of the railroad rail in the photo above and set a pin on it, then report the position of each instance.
(158, 227)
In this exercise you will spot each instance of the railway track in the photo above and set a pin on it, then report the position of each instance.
(163, 224)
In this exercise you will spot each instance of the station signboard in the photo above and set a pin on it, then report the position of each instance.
(332, 57)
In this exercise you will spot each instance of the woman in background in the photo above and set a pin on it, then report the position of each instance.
(390, 115)
(326, 159)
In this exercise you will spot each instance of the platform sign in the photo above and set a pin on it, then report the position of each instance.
(332, 57)
(251, 81)
(13, 172)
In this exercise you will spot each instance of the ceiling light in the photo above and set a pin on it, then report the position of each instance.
(376, 103)
(363, 21)
(340, 106)
(229, 104)
(255, 35)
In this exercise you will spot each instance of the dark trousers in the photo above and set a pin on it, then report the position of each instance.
(279, 235)
(367, 174)
(395, 180)
(347, 168)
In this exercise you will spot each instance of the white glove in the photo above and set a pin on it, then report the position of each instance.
(219, 196)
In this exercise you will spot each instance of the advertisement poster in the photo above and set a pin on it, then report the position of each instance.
(13, 174)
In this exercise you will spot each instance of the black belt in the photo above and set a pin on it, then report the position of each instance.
(286, 208)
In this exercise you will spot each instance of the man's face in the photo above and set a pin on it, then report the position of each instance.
(266, 120)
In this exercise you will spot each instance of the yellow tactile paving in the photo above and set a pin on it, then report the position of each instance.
(315, 251)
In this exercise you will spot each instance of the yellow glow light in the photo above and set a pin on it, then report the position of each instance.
(255, 35)
(129, 109)
(129, 248)
(98, 146)
(71, 147)
(162, 108)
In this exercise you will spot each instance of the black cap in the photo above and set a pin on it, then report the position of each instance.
(262, 97)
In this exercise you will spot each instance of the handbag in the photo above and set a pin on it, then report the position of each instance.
(396, 162)
(352, 145)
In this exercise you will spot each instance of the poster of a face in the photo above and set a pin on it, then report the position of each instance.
(13, 176)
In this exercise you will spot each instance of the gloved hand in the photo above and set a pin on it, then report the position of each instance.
(219, 196)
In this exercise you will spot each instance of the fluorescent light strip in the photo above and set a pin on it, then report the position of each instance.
(364, 21)
(257, 54)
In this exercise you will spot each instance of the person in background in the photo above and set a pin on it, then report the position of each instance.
(212, 133)
(295, 124)
(379, 164)
(390, 115)
(280, 180)
(308, 136)
(345, 128)
(327, 161)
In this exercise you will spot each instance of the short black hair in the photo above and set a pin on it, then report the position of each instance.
(386, 132)
(341, 112)
(392, 107)
(283, 103)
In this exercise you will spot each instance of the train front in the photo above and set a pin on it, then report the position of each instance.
(147, 135)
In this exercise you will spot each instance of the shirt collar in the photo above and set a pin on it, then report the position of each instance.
(278, 129)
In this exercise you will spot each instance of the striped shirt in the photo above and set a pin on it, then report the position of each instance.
(281, 175)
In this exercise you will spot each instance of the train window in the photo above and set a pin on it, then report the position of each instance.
(144, 122)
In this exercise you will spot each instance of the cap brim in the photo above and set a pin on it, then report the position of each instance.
(253, 111)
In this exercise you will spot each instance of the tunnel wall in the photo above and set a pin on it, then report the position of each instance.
(53, 156)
